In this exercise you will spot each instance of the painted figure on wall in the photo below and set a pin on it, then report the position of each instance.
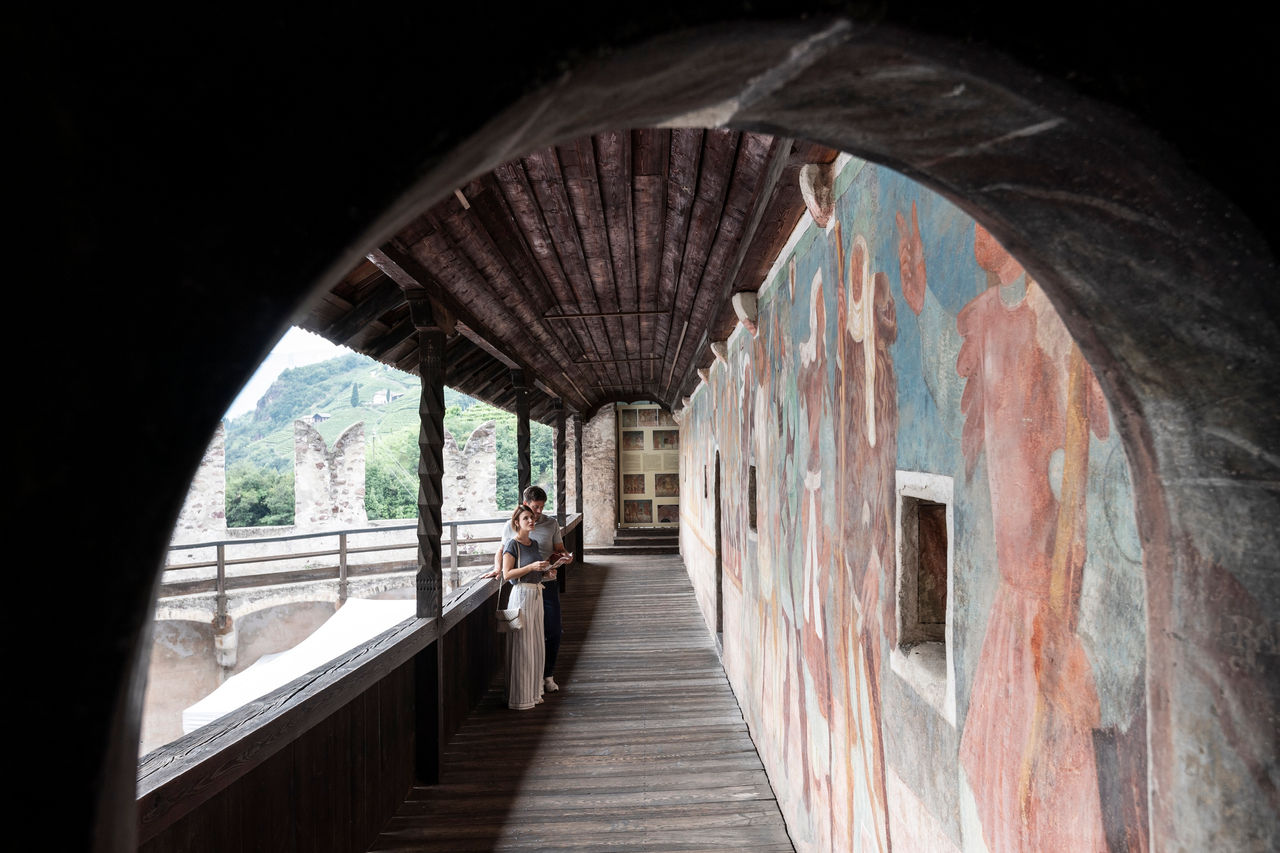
(815, 585)
(1027, 748)
(843, 381)
(866, 423)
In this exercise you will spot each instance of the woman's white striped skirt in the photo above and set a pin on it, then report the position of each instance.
(526, 648)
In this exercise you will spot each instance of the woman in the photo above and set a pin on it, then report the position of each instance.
(524, 568)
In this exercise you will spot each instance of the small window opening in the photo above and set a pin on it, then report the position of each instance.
(922, 654)
(705, 493)
(751, 497)
(925, 569)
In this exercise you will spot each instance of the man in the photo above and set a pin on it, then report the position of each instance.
(546, 532)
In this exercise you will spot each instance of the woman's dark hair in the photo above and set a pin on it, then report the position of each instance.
(535, 493)
(515, 517)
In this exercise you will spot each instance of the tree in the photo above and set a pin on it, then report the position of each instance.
(355, 395)
(259, 497)
(388, 491)
(391, 477)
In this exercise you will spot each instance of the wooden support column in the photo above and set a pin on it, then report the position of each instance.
(562, 495)
(429, 669)
(577, 490)
(523, 467)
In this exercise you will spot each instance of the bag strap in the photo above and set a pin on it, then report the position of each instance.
(503, 586)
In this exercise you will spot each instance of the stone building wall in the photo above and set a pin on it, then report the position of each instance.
(570, 460)
(600, 477)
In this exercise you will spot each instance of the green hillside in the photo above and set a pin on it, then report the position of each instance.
(259, 445)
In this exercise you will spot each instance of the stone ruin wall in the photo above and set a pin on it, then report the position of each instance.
(471, 475)
(205, 509)
(329, 485)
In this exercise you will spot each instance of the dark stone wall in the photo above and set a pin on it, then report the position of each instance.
(182, 187)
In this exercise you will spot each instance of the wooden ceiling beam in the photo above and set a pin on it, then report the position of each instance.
(513, 181)
(651, 155)
(684, 160)
(393, 337)
(720, 149)
(782, 212)
(548, 182)
(385, 296)
(406, 270)
(582, 185)
(775, 162)
(483, 249)
(525, 229)
(613, 164)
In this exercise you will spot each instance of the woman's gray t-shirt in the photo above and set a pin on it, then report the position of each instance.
(524, 555)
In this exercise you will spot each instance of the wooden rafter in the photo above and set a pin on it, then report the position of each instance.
(599, 266)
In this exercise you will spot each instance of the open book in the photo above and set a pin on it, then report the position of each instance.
(560, 558)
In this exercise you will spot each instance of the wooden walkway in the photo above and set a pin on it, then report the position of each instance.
(643, 748)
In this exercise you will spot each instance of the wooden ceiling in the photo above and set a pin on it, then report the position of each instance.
(603, 268)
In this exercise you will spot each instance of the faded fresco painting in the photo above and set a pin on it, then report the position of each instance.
(903, 338)
(637, 512)
(666, 439)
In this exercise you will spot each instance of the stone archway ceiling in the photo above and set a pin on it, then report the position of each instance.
(602, 267)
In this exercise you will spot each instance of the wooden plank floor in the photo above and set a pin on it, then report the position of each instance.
(643, 748)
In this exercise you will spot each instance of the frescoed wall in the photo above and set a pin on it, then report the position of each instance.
(902, 338)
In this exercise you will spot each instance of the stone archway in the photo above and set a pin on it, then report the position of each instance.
(1168, 289)
(1172, 305)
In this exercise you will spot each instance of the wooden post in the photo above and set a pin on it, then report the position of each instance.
(523, 466)
(562, 496)
(429, 671)
(577, 486)
(453, 555)
(220, 596)
(342, 569)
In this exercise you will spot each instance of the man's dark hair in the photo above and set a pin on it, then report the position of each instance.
(535, 493)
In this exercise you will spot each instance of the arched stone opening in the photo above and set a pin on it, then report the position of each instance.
(1171, 303)
(1169, 294)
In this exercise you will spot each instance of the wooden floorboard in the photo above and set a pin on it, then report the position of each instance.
(643, 748)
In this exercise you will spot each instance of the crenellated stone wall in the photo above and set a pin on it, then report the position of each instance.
(471, 474)
(205, 509)
(328, 485)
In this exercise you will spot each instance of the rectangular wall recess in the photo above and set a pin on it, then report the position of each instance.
(923, 586)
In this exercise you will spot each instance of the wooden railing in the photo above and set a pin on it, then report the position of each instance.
(323, 762)
(220, 582)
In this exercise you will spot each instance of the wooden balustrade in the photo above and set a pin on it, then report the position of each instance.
(341, 569)
(324, 761)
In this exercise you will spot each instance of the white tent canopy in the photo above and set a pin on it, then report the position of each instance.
(356, 622)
